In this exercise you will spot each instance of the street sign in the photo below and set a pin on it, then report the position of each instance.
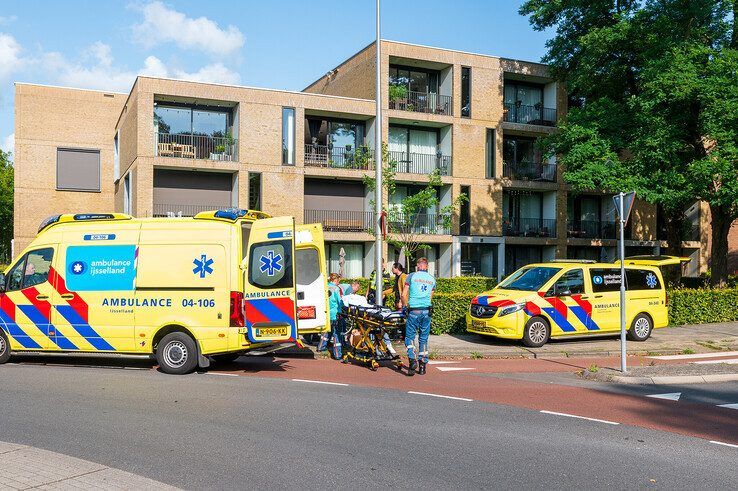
(628, 199)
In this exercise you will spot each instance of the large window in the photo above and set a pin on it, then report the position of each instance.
(254, 190)
(516, 150)
(465, 92)
(465, 212)
(288, 136)
(77, 169)
(198, 121)
(271, 264)
(491, 151)
(415, 79)
(416, 150)
(346, 259)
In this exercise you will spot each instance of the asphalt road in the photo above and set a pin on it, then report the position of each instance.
(217, 430)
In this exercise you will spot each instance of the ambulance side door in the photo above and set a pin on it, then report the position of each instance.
(565, 298)
(269, 281)
(605, 284)
(310, 264)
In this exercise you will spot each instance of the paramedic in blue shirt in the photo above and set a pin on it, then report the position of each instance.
(416, 296)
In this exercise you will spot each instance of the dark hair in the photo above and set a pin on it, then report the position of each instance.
(399, 267)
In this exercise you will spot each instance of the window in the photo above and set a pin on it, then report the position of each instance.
(254, 190)
(77, 170)
(353, 259)
(641, 279)
(465, 212)
(529, 279)
(127, 194)
(491, 150)
(116, 156)
(288, 136)
(308, 266)
(271, 264)
(605, 279)
(32, 269)
(571, 281)
(415, 79)
(465, 92)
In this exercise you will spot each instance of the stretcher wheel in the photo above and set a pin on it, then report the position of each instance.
(374, 366)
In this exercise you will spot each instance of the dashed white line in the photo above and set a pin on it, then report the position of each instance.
(695, 356)
(581, 417)
(729, 406)
(453, 369)
(672, 396)
(440, 395)
(319, 382)
(223, 374)
(723, 443)
(441, 362)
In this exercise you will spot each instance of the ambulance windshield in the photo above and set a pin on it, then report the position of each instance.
(529, 279)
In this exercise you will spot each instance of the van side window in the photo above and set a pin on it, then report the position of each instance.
(308, 266)
(572, 281)
(641, 279)
(605, 279)
(33, 269)
(270, 264)
(15, 277)
(245, 234)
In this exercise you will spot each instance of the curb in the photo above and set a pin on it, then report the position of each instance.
(676, 379)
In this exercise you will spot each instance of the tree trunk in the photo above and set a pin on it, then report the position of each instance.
(721, 221)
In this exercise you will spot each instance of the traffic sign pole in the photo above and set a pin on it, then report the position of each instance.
(623, 218)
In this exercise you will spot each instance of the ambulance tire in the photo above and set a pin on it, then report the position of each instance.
(641, 328)
(177, 353)
(4, 348)
(536, 333)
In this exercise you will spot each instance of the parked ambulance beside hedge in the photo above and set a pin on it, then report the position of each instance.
(186, 290)
(569, 298)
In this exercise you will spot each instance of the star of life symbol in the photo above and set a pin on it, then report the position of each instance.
(78, 267)
(203, 266)
(270, 263)
(651, 280)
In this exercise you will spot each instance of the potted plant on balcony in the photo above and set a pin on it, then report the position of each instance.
(397, 96)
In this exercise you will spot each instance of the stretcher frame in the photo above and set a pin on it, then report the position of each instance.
(372, 328)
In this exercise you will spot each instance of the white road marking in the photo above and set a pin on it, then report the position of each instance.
(729, 361)
(319, 382)
(723, 443)
(453, 369)
(440, 395)
(440, 362)
(222, 374)
(729, 406)
(581, 417)
(695, 356)
(672, 396)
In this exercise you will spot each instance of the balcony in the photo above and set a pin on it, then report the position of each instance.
(529, 227)
(168, 210)
(327, 156)
(421, 163)
(536, 115)
(421, 102)
(418, 223)
(591, 229)
(529, 171)
(341, 220)
(190, 146)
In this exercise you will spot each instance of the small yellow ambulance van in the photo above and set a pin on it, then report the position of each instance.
(565, 298)
(186, 290)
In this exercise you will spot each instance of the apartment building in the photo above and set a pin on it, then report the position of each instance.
(174, 148)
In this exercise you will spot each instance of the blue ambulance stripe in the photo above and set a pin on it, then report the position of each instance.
(584, 318)
(270, 311)
(38, 318)
(16, 332)
(559, 319)
(85, 330)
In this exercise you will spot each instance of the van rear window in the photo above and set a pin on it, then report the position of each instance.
(608, 279)
(271, 264)
(641, 279)
(308, 266)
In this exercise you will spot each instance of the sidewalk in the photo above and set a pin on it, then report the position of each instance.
(23, 467)
(702, 338)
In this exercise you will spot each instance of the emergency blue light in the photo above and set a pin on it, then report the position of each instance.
(230, 213)
(48, 221)
(94, 216)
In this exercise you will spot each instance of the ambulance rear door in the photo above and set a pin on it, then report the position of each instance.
(310, 263)
(269, 281)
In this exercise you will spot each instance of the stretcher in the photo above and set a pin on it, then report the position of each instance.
(368, 327)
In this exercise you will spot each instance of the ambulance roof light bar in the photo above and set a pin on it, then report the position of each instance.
(578, 261)
(232, 214)
(81, 217)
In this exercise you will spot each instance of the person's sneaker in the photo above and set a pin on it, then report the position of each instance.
(421, 370)
(411, 368)
(395, 356)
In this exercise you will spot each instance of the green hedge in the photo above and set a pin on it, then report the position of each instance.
(461, 284)
(449, 312)
(688, 306)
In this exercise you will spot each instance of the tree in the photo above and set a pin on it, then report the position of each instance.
(6, 205)
(653, 87)
(409, 221)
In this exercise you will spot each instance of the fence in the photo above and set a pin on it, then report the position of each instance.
(196, 147)
(424, 102)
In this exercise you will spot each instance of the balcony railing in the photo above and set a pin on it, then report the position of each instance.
(591, 229)
(196, 147)
(529, 171)
(418, 223)
(520, 113)
(341, 220)
(529, 227)
(337, 157)
(423, 102)
(168, 210)
(421, 163)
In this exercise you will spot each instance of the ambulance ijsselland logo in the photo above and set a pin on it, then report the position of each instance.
(651, 280)
(78, 267)
(202, 266)
(597, 280)
(270, 263)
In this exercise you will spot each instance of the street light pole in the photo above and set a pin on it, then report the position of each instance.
(378, 266)
(623, 353)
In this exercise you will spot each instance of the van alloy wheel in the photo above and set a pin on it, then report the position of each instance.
(537, 332)
(642, 326)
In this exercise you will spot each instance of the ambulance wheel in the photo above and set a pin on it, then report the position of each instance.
(641, 328)
(226, 357)
(177, 353)
(4, 347)
(536, 333)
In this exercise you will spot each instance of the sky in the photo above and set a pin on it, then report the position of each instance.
(281, 44)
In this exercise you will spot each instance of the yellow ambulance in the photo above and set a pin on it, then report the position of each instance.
(186, 290)
(565, 298)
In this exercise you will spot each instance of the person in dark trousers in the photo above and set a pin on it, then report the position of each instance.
(416, 297)
(398, 284)
(371, 295)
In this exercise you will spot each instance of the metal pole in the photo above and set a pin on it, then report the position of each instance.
(623, 354)
(378, 266)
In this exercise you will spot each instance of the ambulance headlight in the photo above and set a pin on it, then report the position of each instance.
(511, 309)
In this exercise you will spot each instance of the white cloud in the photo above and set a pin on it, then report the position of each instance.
(162, 24)
(10, 60)
(8, 19)
(8, 144)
